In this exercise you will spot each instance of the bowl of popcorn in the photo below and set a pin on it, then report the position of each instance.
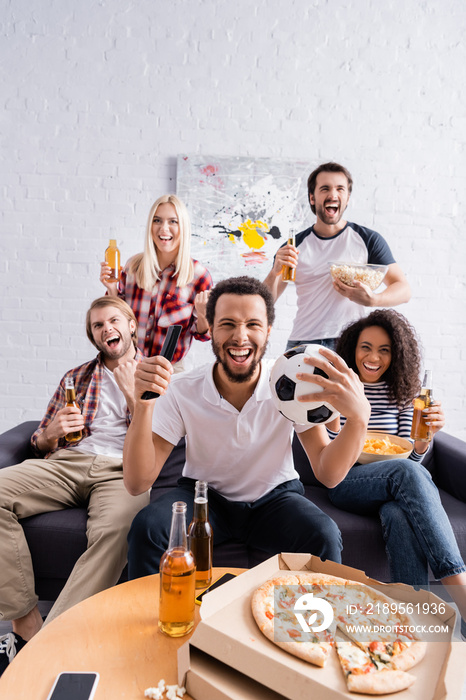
(380, 446)
(349, 273)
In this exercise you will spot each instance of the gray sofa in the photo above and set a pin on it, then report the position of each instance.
(57, 539)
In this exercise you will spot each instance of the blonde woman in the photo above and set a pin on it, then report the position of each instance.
(164, 285)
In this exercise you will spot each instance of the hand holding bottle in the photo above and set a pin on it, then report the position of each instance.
(286, 257)
(110, 269)
(105, 274)
(67, 420)
(70, 423)
(289, 270)
(428, 416)
(434, 419)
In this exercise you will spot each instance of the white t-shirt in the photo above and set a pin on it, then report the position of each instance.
(241, 454)
(322, 311)
(108, 429)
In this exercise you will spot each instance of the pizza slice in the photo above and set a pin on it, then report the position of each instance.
(372, 621)
(363, 675)
(273, 608)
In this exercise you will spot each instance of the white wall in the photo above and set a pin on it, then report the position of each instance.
(98, 98)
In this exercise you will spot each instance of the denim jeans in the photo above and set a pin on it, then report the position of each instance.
(415, 527)
(326, 342)
(283, 520)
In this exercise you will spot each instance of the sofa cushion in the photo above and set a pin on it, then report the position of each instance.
(456, 510)
(16, 443)
(171, 470)
(56, 540)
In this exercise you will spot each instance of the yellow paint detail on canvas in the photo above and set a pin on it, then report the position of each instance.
(231, 238)
(251, 237)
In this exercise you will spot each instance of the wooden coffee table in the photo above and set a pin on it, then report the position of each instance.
(114, 633)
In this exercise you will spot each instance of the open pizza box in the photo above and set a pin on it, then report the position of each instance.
(228, 658)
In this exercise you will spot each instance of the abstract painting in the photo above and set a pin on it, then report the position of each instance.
(242, 209)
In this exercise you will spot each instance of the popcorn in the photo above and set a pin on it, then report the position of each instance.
(348, 274)
(172, 691)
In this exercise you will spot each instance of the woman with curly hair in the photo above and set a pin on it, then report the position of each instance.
(384, 351)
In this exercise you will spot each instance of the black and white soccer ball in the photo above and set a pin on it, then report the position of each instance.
(285, 388)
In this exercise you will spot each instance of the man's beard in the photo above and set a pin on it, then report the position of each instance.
(246, 376)
(123, 347)
(323, 216)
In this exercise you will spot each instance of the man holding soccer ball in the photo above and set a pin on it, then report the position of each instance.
(236, 438)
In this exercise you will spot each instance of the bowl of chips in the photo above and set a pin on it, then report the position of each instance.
(381, 446)
(349, 273)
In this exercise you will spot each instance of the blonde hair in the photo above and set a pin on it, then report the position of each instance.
(145, 266)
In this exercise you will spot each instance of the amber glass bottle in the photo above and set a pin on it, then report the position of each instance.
(70, 400)
(177, 579)
(200, 536)
(112, 258)
(289, 273)
(419, 430)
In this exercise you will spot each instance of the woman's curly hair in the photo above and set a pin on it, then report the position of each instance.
(402, 377)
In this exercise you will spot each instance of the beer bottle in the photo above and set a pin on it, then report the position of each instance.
(289, 273)
(177, 579)
(419, 429)
(70, 400)
(200, 536)
(112, 258)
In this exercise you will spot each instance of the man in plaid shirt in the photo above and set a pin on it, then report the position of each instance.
(70, 474)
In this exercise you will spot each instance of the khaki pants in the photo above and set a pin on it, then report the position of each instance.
(67, 479)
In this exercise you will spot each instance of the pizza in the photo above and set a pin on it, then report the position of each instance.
(290, 635)
(373, 640)
(363, 676)
(374, 622)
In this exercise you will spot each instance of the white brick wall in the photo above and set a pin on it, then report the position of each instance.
(98, 98)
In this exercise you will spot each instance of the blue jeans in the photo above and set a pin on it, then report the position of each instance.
(283, 520)
(326, 342)
(415, 527)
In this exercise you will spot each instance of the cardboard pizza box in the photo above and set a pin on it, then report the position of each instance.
(228, 658)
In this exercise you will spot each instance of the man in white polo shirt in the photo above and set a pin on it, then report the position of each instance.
(326, 306)
(236, 440)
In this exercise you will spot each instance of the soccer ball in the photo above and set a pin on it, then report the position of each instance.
(285, 388)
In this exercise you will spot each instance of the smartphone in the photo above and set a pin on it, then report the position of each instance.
(74, 686)
(215, 584)
(168, 350)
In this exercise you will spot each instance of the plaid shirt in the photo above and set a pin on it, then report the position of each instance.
(87, 383)
(165, 306)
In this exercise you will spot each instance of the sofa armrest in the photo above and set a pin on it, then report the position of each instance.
(449, 462)
(15, 444)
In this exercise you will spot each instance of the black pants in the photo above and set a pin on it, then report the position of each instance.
(283, 520)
